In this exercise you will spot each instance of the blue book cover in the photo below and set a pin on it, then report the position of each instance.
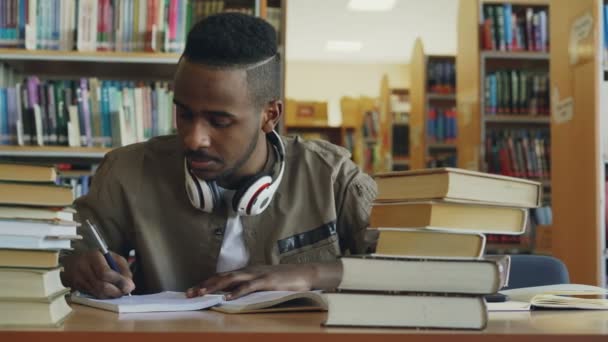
(430, 128)
(508, 30)
(22, 16)
(455, 124)
(493, 96)
(606, 27)
(440, 126)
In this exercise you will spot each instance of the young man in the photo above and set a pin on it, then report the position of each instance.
(226, 204)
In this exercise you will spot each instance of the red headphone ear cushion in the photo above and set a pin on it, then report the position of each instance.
(236, 199)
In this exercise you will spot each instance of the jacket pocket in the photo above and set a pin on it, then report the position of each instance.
(325, 250)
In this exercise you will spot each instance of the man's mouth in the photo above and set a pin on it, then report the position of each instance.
(202, 163)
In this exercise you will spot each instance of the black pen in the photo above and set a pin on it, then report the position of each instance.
(103, 247)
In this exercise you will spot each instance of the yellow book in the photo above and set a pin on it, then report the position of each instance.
(453, 216)
(459, 185)
(27, 173)
(429, 244)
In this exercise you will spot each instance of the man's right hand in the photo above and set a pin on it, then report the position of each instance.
(89, 272)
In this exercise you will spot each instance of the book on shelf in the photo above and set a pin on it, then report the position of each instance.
(450, 215)
(518, 152)
(85, 112)
(512, 27)
(401, 140)
(441, 125)
(441, 76)
(459, 185)
(111, 25)
(517, 92)
(605, 8)
(371, 125)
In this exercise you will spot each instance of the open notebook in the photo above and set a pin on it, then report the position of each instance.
(562, 296)
(266, 301)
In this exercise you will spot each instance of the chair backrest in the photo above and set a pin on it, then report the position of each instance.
(536, 270)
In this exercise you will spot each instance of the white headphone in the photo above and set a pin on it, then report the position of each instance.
(250, 199)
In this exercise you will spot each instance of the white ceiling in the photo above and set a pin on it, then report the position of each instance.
(386, 36)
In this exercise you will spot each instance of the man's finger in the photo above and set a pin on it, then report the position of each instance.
(99, 264)
(104, 273)
(106, 290)
(123, 265)
(223, 282)
(257, 284)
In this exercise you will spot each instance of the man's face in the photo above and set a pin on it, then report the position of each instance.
(216, 120)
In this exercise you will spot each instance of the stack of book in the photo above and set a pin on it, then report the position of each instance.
(34, 226)
(429, 269)
(506, 27)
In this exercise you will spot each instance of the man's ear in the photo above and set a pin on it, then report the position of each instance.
(271, 116)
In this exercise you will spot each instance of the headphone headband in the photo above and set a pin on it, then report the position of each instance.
(251, 199)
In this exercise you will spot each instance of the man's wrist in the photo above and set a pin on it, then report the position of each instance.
(325, 276)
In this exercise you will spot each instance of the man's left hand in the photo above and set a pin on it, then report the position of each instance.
(286, 277)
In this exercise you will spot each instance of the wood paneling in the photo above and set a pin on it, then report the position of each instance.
(418, 107)
(467, 85)
(575, 174)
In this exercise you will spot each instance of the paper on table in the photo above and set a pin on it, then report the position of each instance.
(526, 294)
(158, 302)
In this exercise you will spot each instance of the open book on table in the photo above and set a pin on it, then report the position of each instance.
(562, 296)
(265, 301)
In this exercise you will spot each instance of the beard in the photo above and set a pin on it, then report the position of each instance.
(227, 176)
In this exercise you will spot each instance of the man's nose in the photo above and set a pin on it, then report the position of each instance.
(198, 135)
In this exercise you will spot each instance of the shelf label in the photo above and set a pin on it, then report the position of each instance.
(580, 47)
(563, 109)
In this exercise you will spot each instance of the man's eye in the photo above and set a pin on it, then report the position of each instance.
(221, 122)
(184, 114)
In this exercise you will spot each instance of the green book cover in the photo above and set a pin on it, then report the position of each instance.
(514, 92)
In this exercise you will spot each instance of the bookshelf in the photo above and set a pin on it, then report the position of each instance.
(62, 152)
(432, 118)
(375, 119)
(105, 63)
(503, 97)
(354, 111)
(578, 169)
(400, 109)
(337, 135)
(108, 64)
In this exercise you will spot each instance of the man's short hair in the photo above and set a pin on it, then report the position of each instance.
(239, 41)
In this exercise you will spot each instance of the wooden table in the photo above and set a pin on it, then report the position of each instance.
(91, 325)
